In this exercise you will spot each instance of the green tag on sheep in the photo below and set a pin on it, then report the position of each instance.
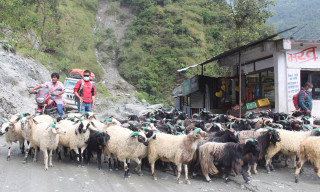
(197, 130)
(179, 122)
(109, 120)
(251, 140)
(270, 128)
(52, 125)
(133, 124)
(284, 121)
(179, 133)
(81, 120)
(146, 123)
(134, 134)
(144, 128)
(316, 130)
(20, 116)
(85, 113)
(307, 126)
(195, 115)
(99, 131)
(182, 127)
(170, 126)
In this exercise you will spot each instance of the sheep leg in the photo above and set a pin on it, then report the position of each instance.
(110, 164)
(50, 158)
(78, 157)
(81, 155)
(255, 171)
(293, 158)
(179, 167)
(298, 169)
(116, 163)
(9, 151)
(128, 163)
(249, 169)
(45, 159)
(186, 173)
(21, 143)
(126, 169)
(239, 169)
(99, 158)
(59, 153)
(317, 168)
(138, 168)
(227, 172)
(26, 154)
(35, 154)
(154, 176)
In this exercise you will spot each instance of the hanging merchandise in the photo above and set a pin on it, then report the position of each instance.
(219, 94)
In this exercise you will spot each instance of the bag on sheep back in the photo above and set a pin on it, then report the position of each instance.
(295, 99)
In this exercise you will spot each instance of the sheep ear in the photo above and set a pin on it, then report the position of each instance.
(80, 127)
(93, 124)
(36, 122)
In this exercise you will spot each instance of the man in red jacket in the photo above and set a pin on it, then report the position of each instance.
(85, 92)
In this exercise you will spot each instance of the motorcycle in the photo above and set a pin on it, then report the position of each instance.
(45, 105)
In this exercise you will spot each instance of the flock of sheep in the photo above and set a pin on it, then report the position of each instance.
(208, 143)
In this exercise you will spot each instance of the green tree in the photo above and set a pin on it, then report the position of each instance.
(246, 21)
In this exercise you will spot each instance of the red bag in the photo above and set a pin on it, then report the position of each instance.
(78, 74)
(295, 99)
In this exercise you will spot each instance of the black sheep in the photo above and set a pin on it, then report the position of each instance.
(97, 141)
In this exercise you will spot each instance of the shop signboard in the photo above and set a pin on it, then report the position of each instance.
(293, 86)
(305, 57)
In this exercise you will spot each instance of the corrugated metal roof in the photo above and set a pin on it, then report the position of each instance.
(234, 50)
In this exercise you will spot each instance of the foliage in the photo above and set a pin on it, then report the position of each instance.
(56, 32)
(302, 13)
(167, 35)
(102, 90)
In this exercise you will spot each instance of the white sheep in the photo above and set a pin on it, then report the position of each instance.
(76, 137)
(289, 145)
(309, 151)
(178, 149)
(126, 145)
(12, 131)
(85, 115)
(27, 125)
(46, 137)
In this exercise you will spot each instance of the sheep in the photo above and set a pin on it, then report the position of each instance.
(76, 137)
(126, 145)
(225, 155)
(12, 131)
(46, 137)
(264, 140)
(177, 149)
(289, 145)
(27, 125)
(85, 115)
(97, 141)
(309, 151)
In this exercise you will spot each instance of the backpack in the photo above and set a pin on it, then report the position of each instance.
(295, 99)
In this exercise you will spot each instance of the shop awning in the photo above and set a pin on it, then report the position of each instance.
(234, 50)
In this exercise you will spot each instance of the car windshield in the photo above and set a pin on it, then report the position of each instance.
(69, 84)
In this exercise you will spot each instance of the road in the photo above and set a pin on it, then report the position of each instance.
(66, 176)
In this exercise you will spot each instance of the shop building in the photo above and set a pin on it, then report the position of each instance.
(273, 69)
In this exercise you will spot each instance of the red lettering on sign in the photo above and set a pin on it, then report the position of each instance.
(308, 54)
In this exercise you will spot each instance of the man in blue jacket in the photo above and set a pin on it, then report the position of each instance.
(304, 98)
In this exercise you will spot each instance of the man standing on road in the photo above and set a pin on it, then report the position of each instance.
(85, 92)
(56, 89)
(304, 99)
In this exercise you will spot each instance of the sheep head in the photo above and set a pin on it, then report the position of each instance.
(26, 121)
(251, 145)
(198, 133)
(57, 129)
(5, 127)
(141, 137)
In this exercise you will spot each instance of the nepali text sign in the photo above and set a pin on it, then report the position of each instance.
(306, 58)
(293, 85)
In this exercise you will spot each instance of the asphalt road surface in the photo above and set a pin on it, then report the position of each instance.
(66, 176)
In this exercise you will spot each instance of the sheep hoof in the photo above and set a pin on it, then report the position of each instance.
(46, 168)
(8, 158)
(140, 174)
(155, 178)
(227, 180)
(248, 181)
(188, 181)
(110, 169)
(179, 181)
(209, 181)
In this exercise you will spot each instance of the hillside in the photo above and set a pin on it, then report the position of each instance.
(147, 41)
(302, 13)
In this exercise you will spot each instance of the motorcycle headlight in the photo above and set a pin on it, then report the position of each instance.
(40, 100)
